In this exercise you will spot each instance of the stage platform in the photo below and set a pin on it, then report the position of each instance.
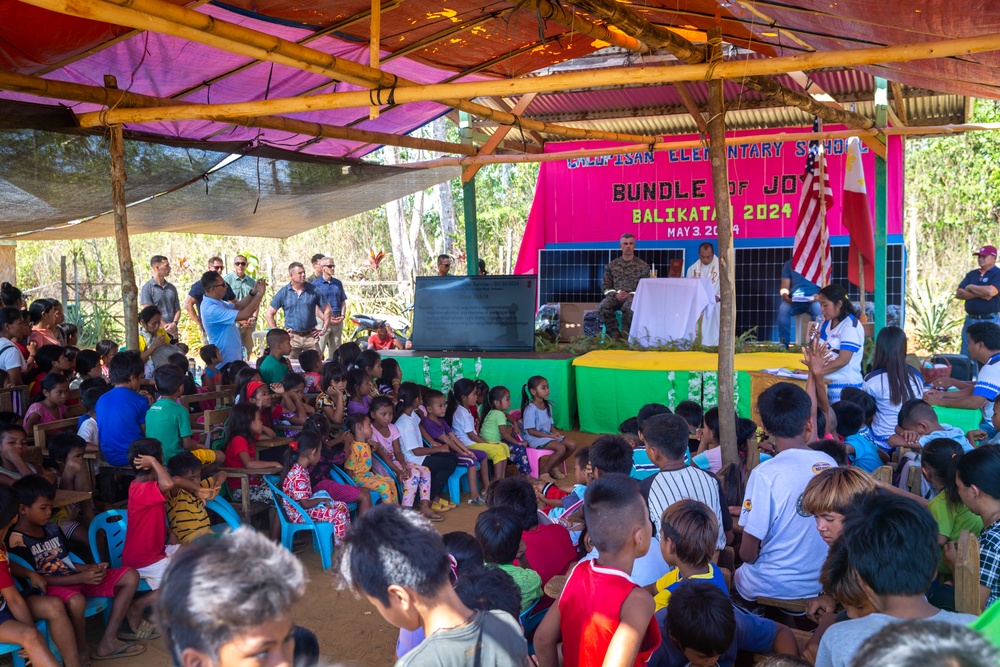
(597, 391)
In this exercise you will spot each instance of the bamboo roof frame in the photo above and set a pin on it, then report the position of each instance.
(446, 93)
(169, 19)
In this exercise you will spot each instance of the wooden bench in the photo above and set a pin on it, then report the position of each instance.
(914, 480)
(883, 474)
(221, 399)
(796, 606)
(14, 399)
(211, 424)
(271, 444)
(246, 508)
(967, 586)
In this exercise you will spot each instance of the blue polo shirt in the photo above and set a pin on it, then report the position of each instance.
(983, 306)
(333, 291)
(219, 320)
(120, 415)
(300, 307)
(798, 286)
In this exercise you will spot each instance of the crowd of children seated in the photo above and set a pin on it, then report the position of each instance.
(656, 550)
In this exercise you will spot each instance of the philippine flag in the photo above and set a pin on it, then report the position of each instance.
(856, 217)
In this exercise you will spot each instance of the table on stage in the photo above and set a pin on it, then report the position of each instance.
(666, 310)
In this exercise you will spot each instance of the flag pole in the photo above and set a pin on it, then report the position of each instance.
(824, 234)
(861, 284)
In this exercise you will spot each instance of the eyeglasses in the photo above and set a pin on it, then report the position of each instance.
(328, 266)
(239, 263)
(447, 266)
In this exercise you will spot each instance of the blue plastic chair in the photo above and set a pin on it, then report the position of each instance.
(530, 619)
(113, 524)
(226, 512)
(322, 531)
(457, 482)
(341, 477)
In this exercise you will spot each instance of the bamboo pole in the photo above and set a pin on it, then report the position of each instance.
(165, 18)
(130, 293)
(374, 47)
(452, 93)
(659, 37)
(498, 136)
(697, 143)
(114, 98)
(727, 277)
(552, 12)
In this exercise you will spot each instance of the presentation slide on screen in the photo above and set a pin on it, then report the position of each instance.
(476, 313)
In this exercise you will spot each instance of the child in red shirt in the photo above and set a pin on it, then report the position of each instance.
(601, 611)
(146, 548)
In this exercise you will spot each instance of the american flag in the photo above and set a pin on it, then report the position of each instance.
(811, 250)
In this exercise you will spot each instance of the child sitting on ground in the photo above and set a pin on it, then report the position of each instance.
(397, 560)
(561, 505)
(275, 365)
(359, 459)
(212, 376)
(548, 547)
(688, 534)
(168, 421)
(66, 451)
(498, 531)
(435, 429)
(43, 545)
(121, 413)
(861, 451)
(243, 430)
(301, 455)
(311, 364)
(412, 477)
(146, 547)
(498, 427)
(332, 401)
(51, 403)
(702, 627)
(16, 623)
(459, 413)
(186, 511)
(601, 611)
(782, 553)
(891, 543)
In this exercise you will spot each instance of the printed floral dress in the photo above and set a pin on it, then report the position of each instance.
(298, 488)
(359, 467)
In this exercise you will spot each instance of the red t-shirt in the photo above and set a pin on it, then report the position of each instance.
(146, 533)
(6, 580)
(376, 343)
(590, 612)
(549, 550)
(236, 446)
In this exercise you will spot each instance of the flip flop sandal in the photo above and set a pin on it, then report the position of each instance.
(146, 630)
(434, 517)
(127, 651)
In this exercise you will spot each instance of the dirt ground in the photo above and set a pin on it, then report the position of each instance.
(350, 631)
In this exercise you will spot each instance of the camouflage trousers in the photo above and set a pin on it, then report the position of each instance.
(607, 309)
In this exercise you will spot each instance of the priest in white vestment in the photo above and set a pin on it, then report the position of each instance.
(707, 268)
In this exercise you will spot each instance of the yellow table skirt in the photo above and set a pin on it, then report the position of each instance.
(686, 361)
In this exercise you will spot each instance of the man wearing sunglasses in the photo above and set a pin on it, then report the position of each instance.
(444, 265)
(242, 284)
(192, 304)
(335, 295)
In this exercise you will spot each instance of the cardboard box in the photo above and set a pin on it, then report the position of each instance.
(571, 319)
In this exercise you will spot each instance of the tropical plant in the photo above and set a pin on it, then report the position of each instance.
(934, 323)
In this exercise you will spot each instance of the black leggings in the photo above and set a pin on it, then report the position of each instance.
(441, 467)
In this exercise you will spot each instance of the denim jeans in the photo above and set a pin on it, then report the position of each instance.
(994, 317)
(788, 311)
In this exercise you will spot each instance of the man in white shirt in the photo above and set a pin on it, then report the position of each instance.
(707, 268)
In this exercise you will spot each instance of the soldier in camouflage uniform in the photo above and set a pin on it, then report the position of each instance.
(621, 278)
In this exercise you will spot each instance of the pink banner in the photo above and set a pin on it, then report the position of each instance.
(667, 195)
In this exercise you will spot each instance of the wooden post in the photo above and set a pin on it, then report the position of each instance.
(469, 206)
(64, 288)
(727, 278)
(967, 600)
(130, 294)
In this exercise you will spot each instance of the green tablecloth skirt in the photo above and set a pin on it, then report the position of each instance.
(440, 372)
(607, 397)
(964, 419)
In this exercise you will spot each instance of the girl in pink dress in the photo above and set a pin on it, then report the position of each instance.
(52, 407)
(302, 454)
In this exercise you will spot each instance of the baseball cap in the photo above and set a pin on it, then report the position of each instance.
(986, 250)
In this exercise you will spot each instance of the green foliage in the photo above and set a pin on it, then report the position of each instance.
(932, 316)
(97, 319)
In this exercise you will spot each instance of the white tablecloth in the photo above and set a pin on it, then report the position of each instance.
(666, 310)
